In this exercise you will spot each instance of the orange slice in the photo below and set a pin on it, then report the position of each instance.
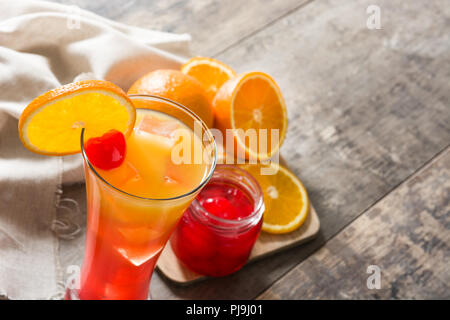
(285, 197)
(211, 73)
(51, 124)
(246, 104)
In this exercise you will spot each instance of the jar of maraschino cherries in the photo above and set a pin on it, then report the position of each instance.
(217, 232)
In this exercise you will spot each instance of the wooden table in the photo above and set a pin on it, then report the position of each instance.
(369, 134)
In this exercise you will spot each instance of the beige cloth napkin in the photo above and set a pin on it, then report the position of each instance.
(44, 45)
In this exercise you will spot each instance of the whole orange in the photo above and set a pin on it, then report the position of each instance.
(178, 87)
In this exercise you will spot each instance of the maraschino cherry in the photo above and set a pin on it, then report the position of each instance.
(108, 151)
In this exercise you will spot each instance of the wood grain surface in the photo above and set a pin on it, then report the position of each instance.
(367, 110)
(406, 235)
(214, 25)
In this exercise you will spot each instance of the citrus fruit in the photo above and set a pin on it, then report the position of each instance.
(285, 197)
(246, 104)
(211, 73)
(178, 87)
(51, 124)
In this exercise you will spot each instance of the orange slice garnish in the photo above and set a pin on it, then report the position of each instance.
(51, 124)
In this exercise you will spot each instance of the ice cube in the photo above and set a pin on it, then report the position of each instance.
(170, 180)
(130, 172)
(157, 126)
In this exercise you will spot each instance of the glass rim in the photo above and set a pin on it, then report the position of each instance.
(190, 113)
(258, 210)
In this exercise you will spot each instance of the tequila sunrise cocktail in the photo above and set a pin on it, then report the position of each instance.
(134, 208)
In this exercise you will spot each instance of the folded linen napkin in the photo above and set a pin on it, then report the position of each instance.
(44, 45)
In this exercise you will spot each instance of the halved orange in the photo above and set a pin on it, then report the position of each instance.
(211, 73)
(252, 106)
(285, 197)
(51, 124)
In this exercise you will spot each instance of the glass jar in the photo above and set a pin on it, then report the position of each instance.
(219, 244)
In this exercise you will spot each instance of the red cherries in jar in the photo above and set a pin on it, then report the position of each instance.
(217, 232)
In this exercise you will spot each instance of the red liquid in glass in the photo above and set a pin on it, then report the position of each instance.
(208, 250)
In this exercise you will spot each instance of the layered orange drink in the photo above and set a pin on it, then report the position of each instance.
(134, 208)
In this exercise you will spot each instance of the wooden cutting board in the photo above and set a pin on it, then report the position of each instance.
(267, 244)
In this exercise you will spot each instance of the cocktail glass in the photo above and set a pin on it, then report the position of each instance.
(126, 233)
